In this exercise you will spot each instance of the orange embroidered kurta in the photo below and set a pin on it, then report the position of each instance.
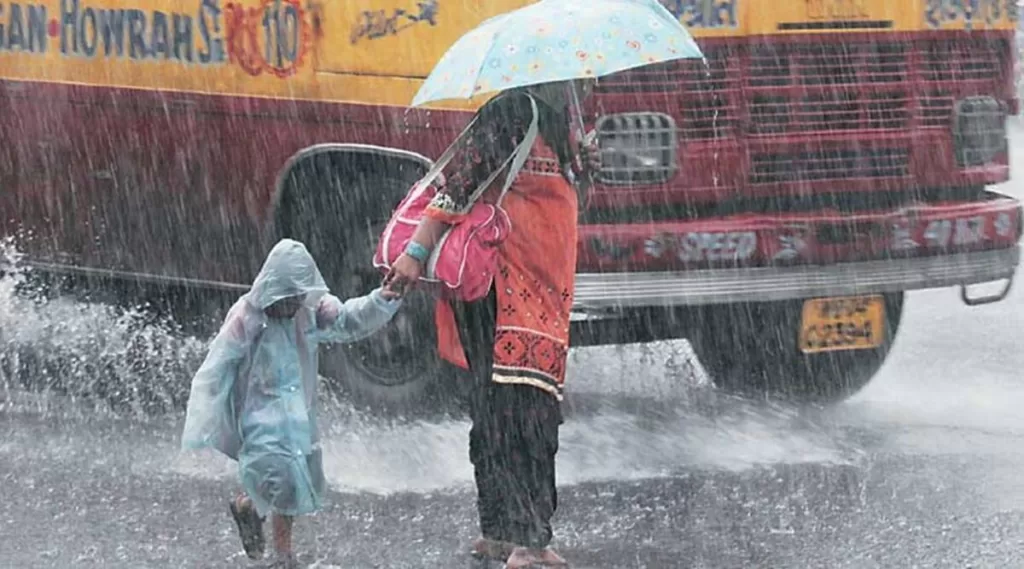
(534, 287)
(537, 264)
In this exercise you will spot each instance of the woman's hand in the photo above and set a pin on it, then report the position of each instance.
(406, 272)
(588, 162)
(591, 151)
(404, 275)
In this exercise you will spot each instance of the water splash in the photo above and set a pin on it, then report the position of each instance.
(633, 412)
(126, 359)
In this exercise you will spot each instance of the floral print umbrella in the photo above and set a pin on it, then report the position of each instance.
(557, 40)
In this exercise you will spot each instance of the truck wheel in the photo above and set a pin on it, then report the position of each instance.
(338, 206)
(752, 349)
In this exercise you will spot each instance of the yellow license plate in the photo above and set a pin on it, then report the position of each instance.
(850, 323)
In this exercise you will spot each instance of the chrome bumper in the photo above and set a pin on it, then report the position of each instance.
(597, 292)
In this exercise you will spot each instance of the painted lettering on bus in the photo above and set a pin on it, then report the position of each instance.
(836, 10)
(271, 37)
(88, 31)
(960, 232)
(717, 246)
(23, 27)
(709, 14)
(938, 13)
(375, 24)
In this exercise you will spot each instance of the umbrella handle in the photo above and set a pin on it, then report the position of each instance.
(576, 112)
(586, 178)
(576, 109)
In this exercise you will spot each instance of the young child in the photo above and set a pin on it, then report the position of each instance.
(255, 396)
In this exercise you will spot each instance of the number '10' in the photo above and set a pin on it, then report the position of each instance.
(281, 34)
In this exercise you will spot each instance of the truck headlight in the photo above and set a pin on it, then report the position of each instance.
(637, 148)
(979, 130)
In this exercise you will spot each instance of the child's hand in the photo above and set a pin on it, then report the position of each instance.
(389, 295)
(326, 313)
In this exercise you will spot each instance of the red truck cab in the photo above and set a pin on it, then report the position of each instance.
(772, 204)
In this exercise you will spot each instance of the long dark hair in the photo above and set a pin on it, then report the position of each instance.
(552, 122)
(553, 125)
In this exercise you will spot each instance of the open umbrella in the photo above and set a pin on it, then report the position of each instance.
(557, 40)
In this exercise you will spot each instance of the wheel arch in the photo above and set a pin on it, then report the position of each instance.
(370, 181)
(361, 154)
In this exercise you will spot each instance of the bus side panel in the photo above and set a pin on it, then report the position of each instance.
(165, 183)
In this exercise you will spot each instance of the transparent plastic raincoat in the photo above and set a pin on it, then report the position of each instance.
(255, 396)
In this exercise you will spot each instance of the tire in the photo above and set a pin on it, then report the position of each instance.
(752, 350)
(338, 206)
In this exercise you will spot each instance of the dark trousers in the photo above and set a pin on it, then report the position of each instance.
(512, 443)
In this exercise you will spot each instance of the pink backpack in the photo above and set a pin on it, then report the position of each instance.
(464, 261)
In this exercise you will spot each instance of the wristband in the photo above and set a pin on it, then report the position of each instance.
(417, 251)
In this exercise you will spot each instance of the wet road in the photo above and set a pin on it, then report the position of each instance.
(922, 469)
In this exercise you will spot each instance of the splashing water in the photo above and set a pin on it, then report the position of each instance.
(124, 357)
(633, 412)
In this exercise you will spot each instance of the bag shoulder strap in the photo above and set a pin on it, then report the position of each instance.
(445, 158)
(521, 153)
(517, 158)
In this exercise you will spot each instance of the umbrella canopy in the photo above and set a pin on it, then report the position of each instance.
(557, 40)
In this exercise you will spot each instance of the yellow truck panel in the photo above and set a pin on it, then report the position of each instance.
(364, 51)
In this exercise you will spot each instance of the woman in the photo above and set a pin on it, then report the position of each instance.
(515, 342)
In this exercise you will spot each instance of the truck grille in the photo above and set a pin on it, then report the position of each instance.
(825, 87)
(964, 61)
(779, 89)
(833, 164)
(711, 92)
(953, 70)
(637, 148)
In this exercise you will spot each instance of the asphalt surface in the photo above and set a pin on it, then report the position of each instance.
(922, 469)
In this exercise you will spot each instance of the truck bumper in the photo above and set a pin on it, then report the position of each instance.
(606, 292)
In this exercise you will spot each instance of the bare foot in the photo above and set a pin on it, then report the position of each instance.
(524, 557)
(494, 549)
(549, 558)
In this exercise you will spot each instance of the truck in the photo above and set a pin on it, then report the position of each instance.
(772, 203)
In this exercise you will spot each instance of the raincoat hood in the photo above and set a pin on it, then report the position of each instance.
(288, 271)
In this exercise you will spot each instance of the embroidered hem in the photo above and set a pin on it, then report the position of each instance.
(540, 382)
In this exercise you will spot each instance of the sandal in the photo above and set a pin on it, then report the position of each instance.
(250, 529)
(283, 561)
(525, 558)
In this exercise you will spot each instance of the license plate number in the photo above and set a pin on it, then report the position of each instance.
(849, 323)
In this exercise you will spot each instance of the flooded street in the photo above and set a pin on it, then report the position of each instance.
(921, 469)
